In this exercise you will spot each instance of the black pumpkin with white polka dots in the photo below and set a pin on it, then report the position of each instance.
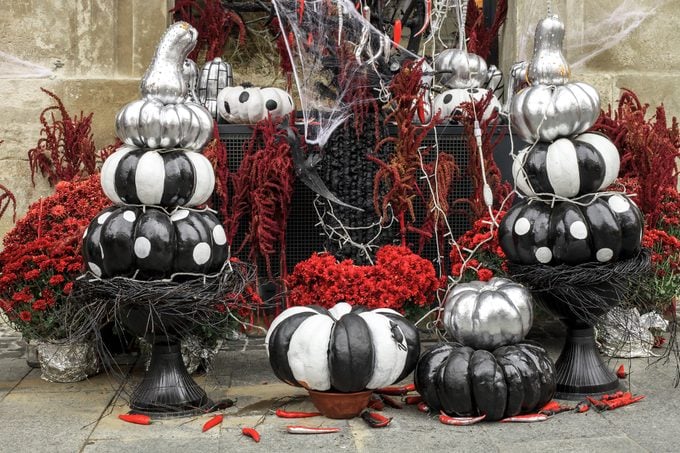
(605, 229)
(147, 242)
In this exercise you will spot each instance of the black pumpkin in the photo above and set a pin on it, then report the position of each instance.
(606, 229)
(149, 243)
(169, 178)
(461, 381)
(568, 167)
(345, 349)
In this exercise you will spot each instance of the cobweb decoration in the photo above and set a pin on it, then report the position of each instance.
(341, 62)
(12, 67)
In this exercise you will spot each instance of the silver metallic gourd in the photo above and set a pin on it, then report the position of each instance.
(459, 69)
(190, 76)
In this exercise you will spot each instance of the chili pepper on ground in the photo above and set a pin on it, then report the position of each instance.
(214, 421)
(391, 402)
(413, 399)
(460, 421)
(376, 402)
(621, 372)
(582, 407)
(623, 401)
(138, 419)
(375, 420)
(252, 433)
(310, 430)
(553, 408)
(423, 407)
(612, 396)
(526, 418)
(396, 391)
(288, 414)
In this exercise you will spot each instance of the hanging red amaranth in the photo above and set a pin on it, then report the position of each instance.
(480, 37)
(7, 198)
(216, 153)
(66, 148)
(214, 22)
(285, 63)
(359, 93)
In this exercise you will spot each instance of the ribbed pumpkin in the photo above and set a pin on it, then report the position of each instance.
(605, 229)
(149, 243)
(448, 102)
(567, 167)
(487, 315)
(457, 68)
(172, 178)
(150, 124)
(460, 381)
(248, 105)
(344, 349)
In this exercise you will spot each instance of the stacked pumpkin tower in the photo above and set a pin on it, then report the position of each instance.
(156, 177)
(568, 224)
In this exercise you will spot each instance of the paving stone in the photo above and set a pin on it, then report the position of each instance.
(604, 444)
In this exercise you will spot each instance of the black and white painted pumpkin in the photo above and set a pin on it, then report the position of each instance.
(129, 240)
(461, 381)
(568, 167)
(448, 102)
(248, 105)
(172, 178)
(604, 229)
(487, 315)
(150, 124)
(344, 349)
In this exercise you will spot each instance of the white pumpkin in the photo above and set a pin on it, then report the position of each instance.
(448, 102)
(248, 105)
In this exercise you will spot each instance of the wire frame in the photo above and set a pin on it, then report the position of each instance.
(215, 76)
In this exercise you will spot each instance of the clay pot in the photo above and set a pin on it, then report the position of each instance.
(340, 405)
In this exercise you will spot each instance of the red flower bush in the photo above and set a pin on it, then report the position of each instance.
(399, 279)
(482, 243)
(41, 256)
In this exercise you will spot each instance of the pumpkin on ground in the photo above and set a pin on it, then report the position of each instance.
(461, 381)
(603, 229)
(248, 105)
(147, 242)
(487, 315)
(171, 178)
(344, 349)
(567, 167)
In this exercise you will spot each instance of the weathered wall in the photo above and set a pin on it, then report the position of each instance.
(97, 51)
(645, 60)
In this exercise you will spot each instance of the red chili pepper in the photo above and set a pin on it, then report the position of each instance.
(252, 433)
(621, 372)
(428, 13)
(597, 404)
(310, 39)
(613, 396)
(310, 430)
(286, 414)
(396, 391)
(582, 407)
(376, 402)
(423, 407)
(138, 419)
(526, 418)
(413, 399)
(553, 408)
(391, 402)
(623, 401)
(214, 421)
(301, 9)
(375, 420)
(460, 421)
(396, 33)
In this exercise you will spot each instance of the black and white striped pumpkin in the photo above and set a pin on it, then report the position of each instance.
(170, 178)
(129, 240)
(461, 381)
(608, 228)
(568, 167)
(344, 349)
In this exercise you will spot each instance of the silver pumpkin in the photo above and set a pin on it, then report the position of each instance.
(190, 76)
(545, 113)
(487, 315)
(459, 69)
(150, 124)
(215, 76)
(548, 65)
(163, 80)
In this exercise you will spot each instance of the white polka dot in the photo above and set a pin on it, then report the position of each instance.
(101, 251)
(96, 270)
(522, 226)
(85, 233)
(604, 255)
(142, 247)
(179, 215)
(219, 236)
(618, 203)
(201, 253)
(543, 255)
(578, 230)
(129, 216)
(102, 218)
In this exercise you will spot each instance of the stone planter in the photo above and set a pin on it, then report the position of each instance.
(67, 362)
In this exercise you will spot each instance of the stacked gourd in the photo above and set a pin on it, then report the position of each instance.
(156, 177)
(488, 369)
(564, 219)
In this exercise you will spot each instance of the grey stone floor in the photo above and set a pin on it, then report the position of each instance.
(37, 416)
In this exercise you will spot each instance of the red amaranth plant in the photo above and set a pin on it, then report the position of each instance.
(649, 150)
(66, 148)
(480, 241)
(480, 37)
(214, 22)
(7, 198)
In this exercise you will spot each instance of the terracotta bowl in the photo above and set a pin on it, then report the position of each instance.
(340, 405)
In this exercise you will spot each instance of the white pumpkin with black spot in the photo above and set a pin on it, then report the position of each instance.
(568, 167)
(248, 105)
(147, 242)
(170, 178)
(606, 229)
(448, 103)
(344, 349)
